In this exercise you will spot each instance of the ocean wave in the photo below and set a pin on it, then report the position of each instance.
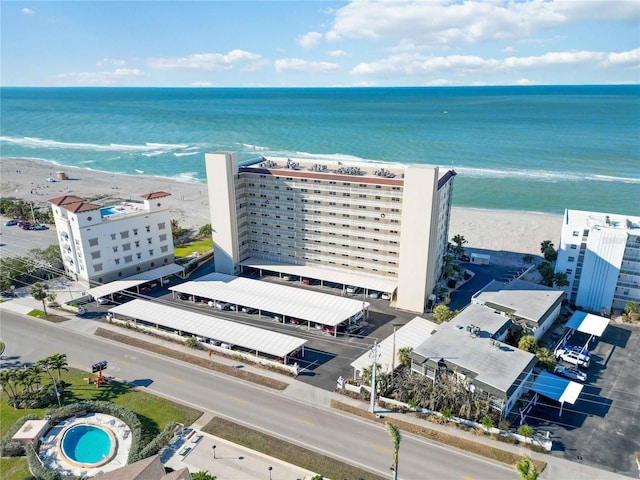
(185, 154)
(540, 175)
(186, 177)
(253, 147)
(154, 154)
(34, 142)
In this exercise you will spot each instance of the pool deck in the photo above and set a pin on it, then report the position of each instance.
(51, 456)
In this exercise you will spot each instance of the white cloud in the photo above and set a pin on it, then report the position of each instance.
(420, 23)
(337, 53)
(117, 77)
(113, 62)
(28, 11)
(309, 40)
(291, 65)
(205, 61)
(417, 64)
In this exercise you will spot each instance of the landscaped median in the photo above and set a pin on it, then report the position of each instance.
(477, 448)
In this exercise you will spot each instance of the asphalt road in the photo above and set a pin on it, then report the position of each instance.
(353, 440)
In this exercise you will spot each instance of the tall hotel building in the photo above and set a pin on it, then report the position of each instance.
(600, 253)
(101, 244)
(376, 226)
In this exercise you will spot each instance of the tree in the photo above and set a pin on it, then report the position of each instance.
(546, 358)
(546, 270)
(39, 291)
(458, 249)
(7, 378)
(404, 356)
(487, 422)
(58, 361)
(546, 244)
(202, 475)
(527, 469)
(525, 430)
(205, 230)
(528, 343)
(448, 267)
(442, 313)
(550, 254)
(396, 438)
(560, 279)
(631, 307)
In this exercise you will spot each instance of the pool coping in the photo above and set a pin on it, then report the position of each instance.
(108, 431)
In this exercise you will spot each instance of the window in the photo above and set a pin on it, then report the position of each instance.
(97, 267)
(151, 251)
(149, 241)
(93, 242)
(127, 259)
(161, 226)
(163, 237)
(164, 248)
(117, 260)
(113, 236)
(573, 247)
(115, 249)
(137, 243)
(568, 271)
(138, 255)
(126, 247)
(95, 255)
(148, 228)
(135, 231)
(576, 233)
(572, 259)
(124, 234)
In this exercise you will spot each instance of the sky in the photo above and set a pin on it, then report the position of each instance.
(319, 43)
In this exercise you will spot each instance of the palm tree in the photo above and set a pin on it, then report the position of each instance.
(396, 438)
(46, 367)
(19, 377)
(59, 362)
(34, 372)
(546, 358)
(448, 268)
(527, 469)
(6, 381)
(404, 356)
(546, 244)
(39, 292)
(459, 240)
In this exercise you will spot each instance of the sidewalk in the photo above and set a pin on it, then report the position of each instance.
(241, 463)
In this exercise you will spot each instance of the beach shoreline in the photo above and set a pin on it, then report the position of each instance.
(512, 234)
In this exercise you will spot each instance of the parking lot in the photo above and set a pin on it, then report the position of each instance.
(16, 242)
(601, 429)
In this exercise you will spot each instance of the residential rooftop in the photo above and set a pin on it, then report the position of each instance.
(584, 219)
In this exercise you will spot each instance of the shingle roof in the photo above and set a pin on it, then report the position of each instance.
(79, 207)
(65, 199)
(153, 195)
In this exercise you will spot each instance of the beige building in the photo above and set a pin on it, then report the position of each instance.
(376, 226)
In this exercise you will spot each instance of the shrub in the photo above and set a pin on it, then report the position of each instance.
(14, 449)
(39, 471)
(159, 442)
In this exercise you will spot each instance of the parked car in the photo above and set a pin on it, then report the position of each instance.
(26, 226)
(571, 373)
(103, 301)
(39, 227)
(249, 310)
(567, 354)
(11, 223)
(374, 294)
(351, 289)
(386, 296)
(223, 305)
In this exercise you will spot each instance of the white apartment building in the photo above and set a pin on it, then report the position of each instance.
(600, 253)
(101, 244)
(378, 226)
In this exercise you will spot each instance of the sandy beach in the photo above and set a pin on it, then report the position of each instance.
(507, 235)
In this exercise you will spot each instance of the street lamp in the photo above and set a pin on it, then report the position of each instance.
(214, 451)
(270, 468)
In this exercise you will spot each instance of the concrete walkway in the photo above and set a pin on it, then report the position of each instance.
(233, 467)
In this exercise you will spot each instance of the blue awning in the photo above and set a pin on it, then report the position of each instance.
(557, 388)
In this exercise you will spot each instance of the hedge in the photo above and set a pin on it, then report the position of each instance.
(14, 449)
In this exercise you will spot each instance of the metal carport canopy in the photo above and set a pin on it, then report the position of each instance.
(251, 338)
(292, 302)
(134, 280)
(588, 323)
(370, 282)
(557, 388)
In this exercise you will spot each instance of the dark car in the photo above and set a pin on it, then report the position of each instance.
(26, 226)
(11, 223)
(40, 227)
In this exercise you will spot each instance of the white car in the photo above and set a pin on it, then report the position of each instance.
(103, 301)
(386, 296)
(351, 289)
(571, 373)
(374, 294)
(580, 359)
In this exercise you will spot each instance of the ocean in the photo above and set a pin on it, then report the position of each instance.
(534, 148)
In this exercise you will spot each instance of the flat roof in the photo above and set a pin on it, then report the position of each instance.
(31, 429)
(370, 282)
(495, 363)
(246, 336)
(410, 335)
(487, 319)
(270, 297)
(134, 280)
(557, 388)
(588, 323)
(525, 299)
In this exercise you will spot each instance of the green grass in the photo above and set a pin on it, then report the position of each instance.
(154, 412)
(198, 246)
(36, 313)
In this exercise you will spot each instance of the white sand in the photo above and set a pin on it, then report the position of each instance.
(506, 235)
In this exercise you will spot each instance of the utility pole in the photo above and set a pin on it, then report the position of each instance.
(372, 407)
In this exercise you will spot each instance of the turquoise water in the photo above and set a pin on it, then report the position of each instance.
(86, 444)
(521, 148)
(108, 211)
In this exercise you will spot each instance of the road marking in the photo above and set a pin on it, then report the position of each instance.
(305, 422)
(124, 362)
(466, 477)
(381, 448)
(239, 400)
(176, 379)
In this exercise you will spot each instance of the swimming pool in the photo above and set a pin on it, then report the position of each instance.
(88, 445)
(108, 211)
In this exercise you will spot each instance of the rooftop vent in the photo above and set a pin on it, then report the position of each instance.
(383, 172)
(349, 171)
